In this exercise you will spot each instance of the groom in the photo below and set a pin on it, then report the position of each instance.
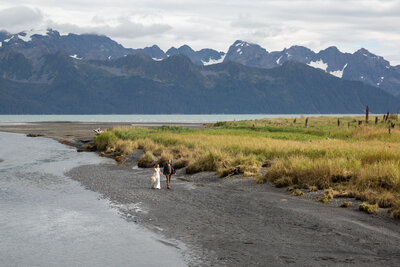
(168, 171)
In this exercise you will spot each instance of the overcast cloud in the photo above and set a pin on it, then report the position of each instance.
(273, 24)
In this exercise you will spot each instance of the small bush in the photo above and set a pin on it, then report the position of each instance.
(324, 200)
(346, 204)
(181, 163)
(386, 200)
(103, 140)
(124, 147)
(379, 175)
(165, 156)
(157, 150)
(366, 196)
(290, 188)
(395, 213)
(330, 193)
(312, 188)
(208, 162)
(369, 208)
(147, 160)
(283, 181)
(298, 192)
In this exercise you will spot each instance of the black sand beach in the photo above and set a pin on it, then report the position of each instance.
(234, 222)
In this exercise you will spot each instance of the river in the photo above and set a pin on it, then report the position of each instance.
(47, 219)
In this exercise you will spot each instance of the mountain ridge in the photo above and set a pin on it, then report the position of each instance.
(57, 83)
(361, 65)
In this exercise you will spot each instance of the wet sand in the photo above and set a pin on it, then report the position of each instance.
(72, 131)
(234, 222)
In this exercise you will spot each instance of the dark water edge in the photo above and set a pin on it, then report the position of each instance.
(47, 219)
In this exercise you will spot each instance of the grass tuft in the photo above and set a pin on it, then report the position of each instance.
(298, 192)
(283, 181)
(181, 163)
(312, 188)
(324, 200)
(346, 204)
(147, 160)
(369, 208)
(165, 156)
(395, 213)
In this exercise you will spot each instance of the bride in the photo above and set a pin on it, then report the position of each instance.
(156, 174)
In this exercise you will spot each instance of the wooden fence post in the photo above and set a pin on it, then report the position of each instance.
(366, 114)
(387, 116)
(306, 124)
(376, 120)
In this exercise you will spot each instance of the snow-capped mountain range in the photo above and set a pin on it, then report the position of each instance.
(359, 66)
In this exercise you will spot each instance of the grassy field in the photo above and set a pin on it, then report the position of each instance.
(346, 159)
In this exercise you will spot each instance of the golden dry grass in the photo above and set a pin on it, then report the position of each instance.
(360, 161)
(346, 204)
(369, 208)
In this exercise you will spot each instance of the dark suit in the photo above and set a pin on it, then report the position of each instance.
(168, 171)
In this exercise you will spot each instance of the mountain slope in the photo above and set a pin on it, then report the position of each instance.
(60, 84)
(96, 47)
(202, 57)
(360, 66)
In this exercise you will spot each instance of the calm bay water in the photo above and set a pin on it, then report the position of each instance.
(47, 219)
(150, 118)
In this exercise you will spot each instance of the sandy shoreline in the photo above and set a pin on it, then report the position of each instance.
(234, 222)
(79, 130)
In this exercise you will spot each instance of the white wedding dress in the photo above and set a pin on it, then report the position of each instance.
(157, 185)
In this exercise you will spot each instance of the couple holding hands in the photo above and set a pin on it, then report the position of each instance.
(168, 171)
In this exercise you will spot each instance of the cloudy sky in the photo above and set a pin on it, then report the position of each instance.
(274, 24)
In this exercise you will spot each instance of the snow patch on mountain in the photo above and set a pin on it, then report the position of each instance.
(338, 73)
(379, 83)
(156, 59)
(242, 44)
(26, 36)
(212, 61)
(319, 64)
(279, 60)
(75, 57)
(1, 44)
(7, 40)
